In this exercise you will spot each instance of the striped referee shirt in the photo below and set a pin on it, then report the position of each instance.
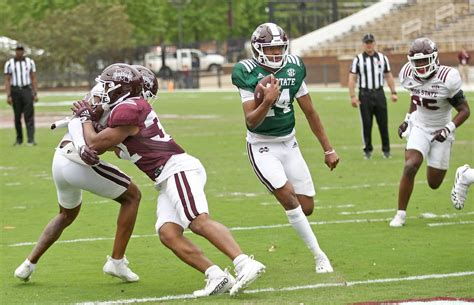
(20, 71)
(370, 70)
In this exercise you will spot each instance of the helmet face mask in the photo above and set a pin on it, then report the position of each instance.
(265, 39)
(423, 58)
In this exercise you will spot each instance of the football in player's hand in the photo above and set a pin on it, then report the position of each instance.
(258, 94)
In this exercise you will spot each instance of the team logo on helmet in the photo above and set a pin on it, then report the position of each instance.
(148, 81)
(291, 72)
(122, 75)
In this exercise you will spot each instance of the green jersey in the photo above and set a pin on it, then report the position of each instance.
(280, 119)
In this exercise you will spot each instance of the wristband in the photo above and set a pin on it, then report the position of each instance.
(394, 93)
(352, 96)
(329, 152)
(451, 126)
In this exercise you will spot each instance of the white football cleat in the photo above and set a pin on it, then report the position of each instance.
(24, 271)
(398, 220)
(459, 190)
(120, 269)
(246, 272)
(323, 265)
(216, 285)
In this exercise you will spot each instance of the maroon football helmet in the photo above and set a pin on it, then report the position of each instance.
(269, 35)
(119, 81)
(150, 82)
(423, 57)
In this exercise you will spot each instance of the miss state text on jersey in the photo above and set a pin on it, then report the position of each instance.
(280, 119)
(434, 97)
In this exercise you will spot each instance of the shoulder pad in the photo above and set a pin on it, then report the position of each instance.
(293, 59)
(125, 113)
(405, 72)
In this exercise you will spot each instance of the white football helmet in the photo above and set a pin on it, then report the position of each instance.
(269, 35)
(423, 57)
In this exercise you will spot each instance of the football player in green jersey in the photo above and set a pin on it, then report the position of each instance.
(271, 144)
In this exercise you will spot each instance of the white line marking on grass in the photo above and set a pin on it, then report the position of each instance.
(367, 185)
(236, 194)
(293, 288)
(12, 184)
(366, 212)
(340, 206)
(363, 220)
(462, 222)
(71, 241)
(8, 168)
(431, 215)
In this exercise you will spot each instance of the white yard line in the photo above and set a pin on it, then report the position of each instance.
(367, 185)
(462, 222)
(292, 288)
(330, 222)
(366, 212)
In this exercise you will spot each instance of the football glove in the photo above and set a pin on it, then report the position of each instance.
(88, 155)
(402, 129)
(442, 134)
(83, 110)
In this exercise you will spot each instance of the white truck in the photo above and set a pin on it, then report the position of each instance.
(183, 60)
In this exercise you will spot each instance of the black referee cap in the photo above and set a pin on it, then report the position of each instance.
(368, 38)
(19, 47)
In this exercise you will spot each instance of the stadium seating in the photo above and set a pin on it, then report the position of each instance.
(449, 23)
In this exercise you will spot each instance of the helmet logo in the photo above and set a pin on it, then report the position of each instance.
(122, 75)
(148, 81)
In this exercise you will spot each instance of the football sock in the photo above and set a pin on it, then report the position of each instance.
(33, 265)
(116, 261)
(213, 271)
(468, 177)
(402, 213)
(240, 258)
(300, 223)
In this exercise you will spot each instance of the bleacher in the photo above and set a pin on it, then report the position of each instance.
(448, 22)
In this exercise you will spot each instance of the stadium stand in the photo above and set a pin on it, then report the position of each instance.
(449, 23)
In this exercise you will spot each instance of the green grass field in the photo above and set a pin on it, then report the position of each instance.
(353, 206)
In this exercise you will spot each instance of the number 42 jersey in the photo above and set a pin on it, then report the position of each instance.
(433, 97)
(280, 119)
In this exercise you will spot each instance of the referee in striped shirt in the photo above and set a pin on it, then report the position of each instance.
(369, 69)
(21, 88)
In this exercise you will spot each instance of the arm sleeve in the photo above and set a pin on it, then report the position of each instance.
(354, 68)
(453, 82)
(33, 65)
(387, 64)
(246, 95)
(124, 114)
(7, 69)
(75, 130)
(239, 77)
(302, 91)
(457, 99)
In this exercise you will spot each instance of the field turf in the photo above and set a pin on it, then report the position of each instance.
(432, 256)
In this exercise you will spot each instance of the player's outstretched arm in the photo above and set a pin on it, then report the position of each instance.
(107, 138)
(330, 156)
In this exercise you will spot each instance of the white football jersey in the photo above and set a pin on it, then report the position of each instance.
(433, 109)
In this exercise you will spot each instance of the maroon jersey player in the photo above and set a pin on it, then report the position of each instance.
(178, 176)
